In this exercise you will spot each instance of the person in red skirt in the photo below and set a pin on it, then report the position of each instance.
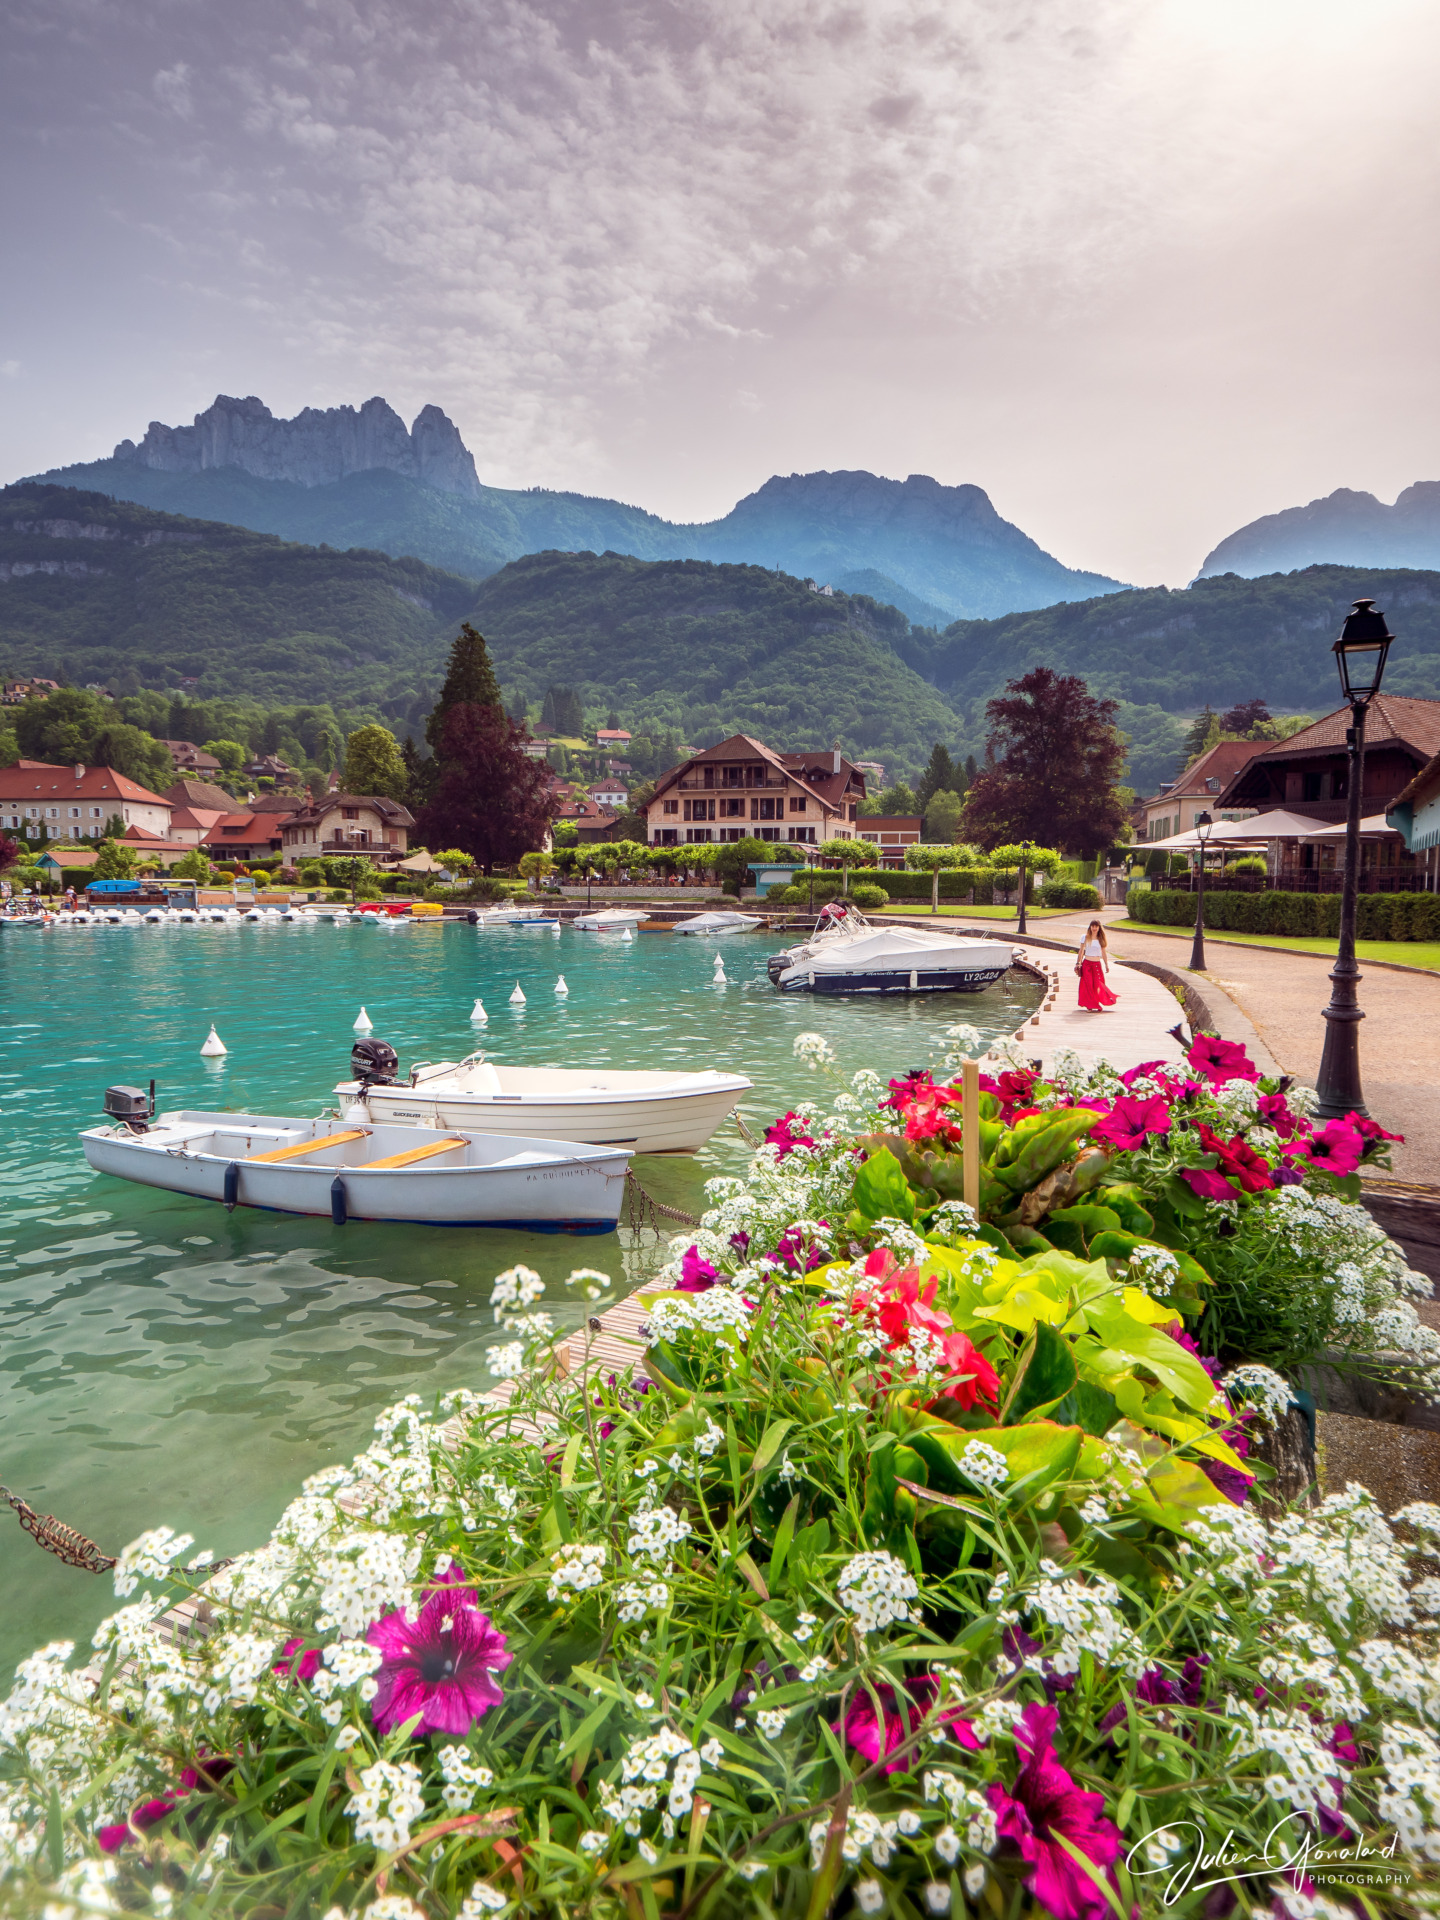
(1092, 965)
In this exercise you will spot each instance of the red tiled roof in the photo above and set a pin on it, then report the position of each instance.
(32, 780)
(1222, 762)
(1400, 717)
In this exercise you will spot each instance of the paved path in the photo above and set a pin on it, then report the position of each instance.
(1136, 1029)
(1279, 997)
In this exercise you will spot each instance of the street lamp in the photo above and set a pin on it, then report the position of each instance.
(1203, 828)
(1360, 656)
(1020, 924)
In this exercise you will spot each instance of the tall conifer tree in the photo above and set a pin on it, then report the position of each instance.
(469, 682)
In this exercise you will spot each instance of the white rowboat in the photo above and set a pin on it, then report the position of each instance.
(357, 1172)
(717, 923)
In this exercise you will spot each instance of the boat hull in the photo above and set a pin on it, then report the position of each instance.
(554, 1187)
(905, 980)
(646, 1120)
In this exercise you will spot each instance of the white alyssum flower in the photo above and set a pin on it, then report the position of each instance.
(482, 1899)
(709, 1439)
(1088, 1616)
(388, 1802)
(814, 1049)
(865, 1832)
(937, 1896)
(1252, 1385)
(771, 1721)
(869, 1896)
(875, 1589)
(576, 1568)
(636, 1598)
(719, 1310)
(464, 1778)
(983, 1464)
(518, 1287)
(506, 1362)
(656, 1533)
(1409, 1799)
(82, 1890)
(590, 1280)
(149, 1558)
(644, 1769)
(1154, 1270)
(364, 1575)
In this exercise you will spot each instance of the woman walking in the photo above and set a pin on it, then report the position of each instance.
(1092, 965)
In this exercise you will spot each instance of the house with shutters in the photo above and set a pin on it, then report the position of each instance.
(340, 824)
(76, 803)
(744, 790)
(1197, 790)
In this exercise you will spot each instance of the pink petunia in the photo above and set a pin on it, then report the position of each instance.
(1129, 1121)
(441, 1665)
(904, 1709)
(696, 1275)
(305, 1668)
(1336, 1149)
(785, 1133)
(1043, 1803)
(1220, 1060)
(1208, 1182)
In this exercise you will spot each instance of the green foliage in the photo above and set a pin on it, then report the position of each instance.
(563, 711)
(869, 897)
(113, 861)
(9, 747)
(1247, 863)
(194, 865)
(373, 764)
(1068, 893)
(231, 754)
(1379, 916)
(469, 682)
(942, 816)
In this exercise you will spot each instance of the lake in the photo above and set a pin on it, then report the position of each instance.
(166, 1362)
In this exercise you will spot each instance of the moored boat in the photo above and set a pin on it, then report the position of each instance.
(414, 1175)
(847, 955)
(608, 919)
(654, 1112)
(719, 922)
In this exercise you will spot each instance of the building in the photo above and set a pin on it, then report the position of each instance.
(346, 823)
(246, 836)
(874, 772)
(743, 790)
(1415, 815)
(14, 693)
(197, 806)
(610, 793)
(189, 759)
(151, 849)
(1174, 808)
(891, 833)
(270, 766)
(591, 821)
(614, 737)
(1308, 772)
(76, 803)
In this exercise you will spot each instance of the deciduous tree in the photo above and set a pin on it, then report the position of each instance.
(114, 861)
(373, 764)
(1053, 760)
(942, 816)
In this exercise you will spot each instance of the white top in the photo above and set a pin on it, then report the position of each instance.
(1093, 950)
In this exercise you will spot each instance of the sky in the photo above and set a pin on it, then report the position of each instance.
(1142, 269)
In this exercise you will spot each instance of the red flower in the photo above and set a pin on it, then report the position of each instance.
(1370, 1129)
(1043, 1803)
(903, 1710)
(1208, 1183)
(441, 1665)
(1239, 1161)
(899, 1304)
(1274, 1110)
(1129, 1121)
(150, 1813)
(784, 1133)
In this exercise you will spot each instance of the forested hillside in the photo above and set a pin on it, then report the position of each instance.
(93, 589)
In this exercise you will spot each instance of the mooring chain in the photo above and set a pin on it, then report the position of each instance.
(643, 1209)
(66, 1543)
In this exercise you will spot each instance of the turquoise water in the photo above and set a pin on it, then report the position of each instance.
(165, 1362)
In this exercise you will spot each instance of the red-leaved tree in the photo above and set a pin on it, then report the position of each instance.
(491, 800)
(1052, 763)
(9, 851)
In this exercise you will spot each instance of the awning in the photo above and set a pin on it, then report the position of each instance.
(1256, 832)
(1375, 827)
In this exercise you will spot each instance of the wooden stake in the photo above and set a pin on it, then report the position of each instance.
(970, 1126)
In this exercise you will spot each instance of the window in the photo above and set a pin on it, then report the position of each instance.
(350, 813)
(1339, 785)
(730, 834)
(709, 779)
(671, 806)
(96, 813)
(696, 835)
(764, 810)
(852, 813)
(1310, 785)
(797, 803)
(53, 812)
(667, 836)
(768, 833)
(74, 813)
(700, 810)
(732, 809)
(805, 835)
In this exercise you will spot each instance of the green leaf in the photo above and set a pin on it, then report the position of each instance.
(1046, 1374)
(881, 1191)
(584, 1734)
(55, 1833)
(770, 1444)
(1131, 1203)
(784, 1534)
(569, 1458)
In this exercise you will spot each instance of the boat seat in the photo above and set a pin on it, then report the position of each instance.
(482, 1078)
(299, 1148)
(412, 1154)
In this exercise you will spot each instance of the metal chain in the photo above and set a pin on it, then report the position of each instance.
(644, 1210)
(64, 1542)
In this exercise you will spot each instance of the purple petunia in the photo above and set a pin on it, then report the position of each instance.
(441, 1665)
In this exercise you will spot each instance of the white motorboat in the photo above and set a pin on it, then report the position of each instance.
(656, 1112)
(847, 955)
(360, 1172)
(717, 923)
(497, 916)
(608, 920)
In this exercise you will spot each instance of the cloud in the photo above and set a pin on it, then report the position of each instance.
(171, 87)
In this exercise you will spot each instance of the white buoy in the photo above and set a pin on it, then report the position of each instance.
(214, 1046)
(561, 990)
(517, 998)
(626, 934)
(364, 1024)
(478, 1014)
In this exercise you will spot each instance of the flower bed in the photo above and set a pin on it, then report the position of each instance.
(918, 1568)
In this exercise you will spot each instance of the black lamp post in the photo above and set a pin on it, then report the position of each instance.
(1203, 826)
(1020, 925)
(1360, 655)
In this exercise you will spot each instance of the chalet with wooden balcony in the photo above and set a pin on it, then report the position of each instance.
(744, 790)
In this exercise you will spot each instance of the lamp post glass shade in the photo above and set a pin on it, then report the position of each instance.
(1360, 652)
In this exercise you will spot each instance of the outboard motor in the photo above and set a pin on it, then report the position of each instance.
(131, 1107)
(374, 1063)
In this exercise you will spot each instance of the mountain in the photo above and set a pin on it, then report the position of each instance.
(1351, 529)
(99, 590)
(878, 586)
(1222, 639)
(350, 476)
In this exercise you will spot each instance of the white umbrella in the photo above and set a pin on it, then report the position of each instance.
(1373, 828)
(1276, 825)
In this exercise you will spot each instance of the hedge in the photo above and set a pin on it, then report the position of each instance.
(1379, 916)
(908, 883)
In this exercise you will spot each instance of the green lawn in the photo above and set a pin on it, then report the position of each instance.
(1407, 953)
(975, 913)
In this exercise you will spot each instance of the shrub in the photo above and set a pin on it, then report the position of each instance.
(1379, 916)
(868, 897)
(1247, 863)
(1068, 893)
(260, 876)
(337, 895)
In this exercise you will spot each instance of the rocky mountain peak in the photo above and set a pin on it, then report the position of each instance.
(316, 448)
